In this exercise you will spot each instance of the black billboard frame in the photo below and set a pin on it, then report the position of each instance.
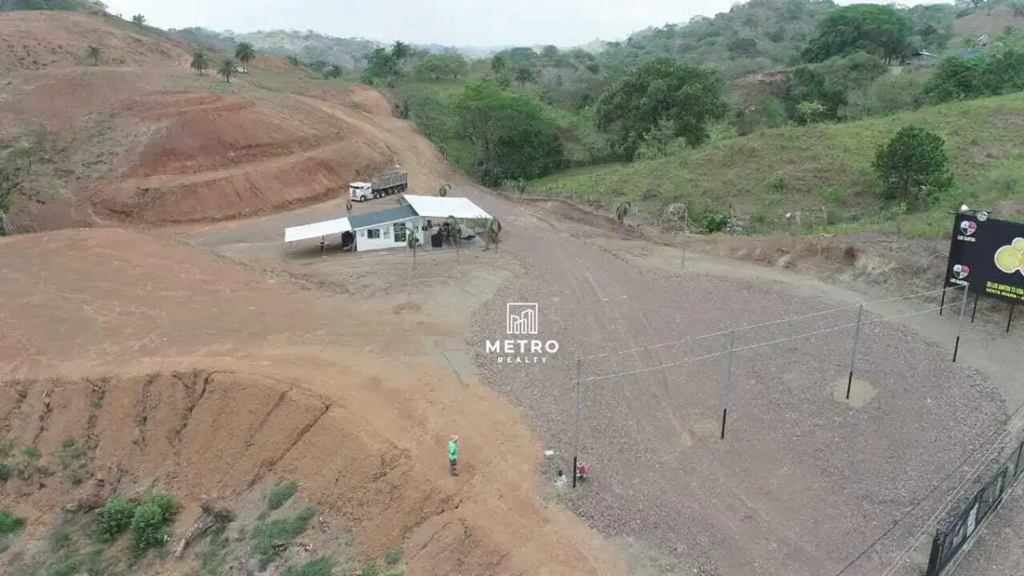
(981, 216)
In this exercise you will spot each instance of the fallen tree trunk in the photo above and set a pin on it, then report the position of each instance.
(215, 514)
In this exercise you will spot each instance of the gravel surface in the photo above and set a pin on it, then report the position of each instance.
(802, 483)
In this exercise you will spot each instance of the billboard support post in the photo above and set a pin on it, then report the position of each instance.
(960, 323)
(576, 423)
(728, 380)
(975, 311)
(1010, 318)
(942, 301)
(853, 352)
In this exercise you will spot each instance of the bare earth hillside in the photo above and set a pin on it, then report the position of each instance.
(208, 360)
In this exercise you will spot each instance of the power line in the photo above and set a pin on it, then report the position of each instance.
(761, 325)
(751, 346)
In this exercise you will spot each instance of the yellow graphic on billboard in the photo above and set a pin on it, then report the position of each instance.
(1010, 258)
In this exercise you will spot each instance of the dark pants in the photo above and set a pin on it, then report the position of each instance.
(453, 465)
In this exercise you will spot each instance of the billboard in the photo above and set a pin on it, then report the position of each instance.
(988, 256)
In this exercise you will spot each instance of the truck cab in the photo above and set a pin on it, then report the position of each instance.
(360, 191)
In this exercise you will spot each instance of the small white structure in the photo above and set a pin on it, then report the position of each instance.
(389, 228)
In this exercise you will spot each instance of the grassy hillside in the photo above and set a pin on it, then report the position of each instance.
(765, 175)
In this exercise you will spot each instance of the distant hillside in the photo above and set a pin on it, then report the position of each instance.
(62, 5)
(308, 46)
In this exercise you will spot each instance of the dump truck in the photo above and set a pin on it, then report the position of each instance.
(380, 186)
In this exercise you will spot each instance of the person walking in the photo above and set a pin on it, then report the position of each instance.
(453, 455)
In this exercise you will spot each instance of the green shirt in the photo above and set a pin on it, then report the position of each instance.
(453, 450)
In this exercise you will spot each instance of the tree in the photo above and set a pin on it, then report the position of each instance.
(93, 53)
(139, 20)
(873, 28)
(437, 66)
(200, 63)
(807, 84)
(332, 71)
(412, 240)
(227, 69)
(524, 76)
(492, 234)
(11, 180)
(913, 165)
(400, 50)
(443, 190)
(513, 136)
(499, 65)
(622, 210)
(661, 89)
(244, 52)
(955, 78)
(380, 65)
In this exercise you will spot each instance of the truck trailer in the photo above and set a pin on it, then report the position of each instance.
(380, 186)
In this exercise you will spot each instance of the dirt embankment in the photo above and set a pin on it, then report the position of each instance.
(183, 372)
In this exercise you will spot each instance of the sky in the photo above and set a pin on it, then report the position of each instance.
(448, 22)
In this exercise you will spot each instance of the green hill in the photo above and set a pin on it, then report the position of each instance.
(765, 175)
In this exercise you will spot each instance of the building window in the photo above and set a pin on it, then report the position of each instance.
(373, 233)
(400, 231)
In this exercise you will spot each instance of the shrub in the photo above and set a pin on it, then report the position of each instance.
(281, 494)
(393, 557)
(269, 537)
(114, 518)
(61, 538)
(5, 473)
(320, 567)
(9, 523)
(913, 165)
(150, 522)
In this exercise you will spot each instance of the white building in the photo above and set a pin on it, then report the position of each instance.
(390, 227)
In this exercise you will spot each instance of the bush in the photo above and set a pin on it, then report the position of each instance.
(114, 518)
(281, 494)
(5, 472)
(9, 523)
(150, 523)
(269, 537)
(913, 165)
(320, 567)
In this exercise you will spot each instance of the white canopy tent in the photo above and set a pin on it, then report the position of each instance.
(317, 230)
(443, 207)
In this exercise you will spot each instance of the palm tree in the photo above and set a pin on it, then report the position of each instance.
(491, 235)
(400, 50)
(139, 20)
(455, 233)
(245, 52)
(412, 240)
(499, 65)
(443, 190)
(227, 69)
(523, 76)
(200, 62)
(93, 52)
(622, 210)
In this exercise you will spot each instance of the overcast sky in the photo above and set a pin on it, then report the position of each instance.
(448, 22)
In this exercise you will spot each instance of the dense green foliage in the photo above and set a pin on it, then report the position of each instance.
(281, 493)
(876, 29)
(114, 519)
(65, 5)
(913, 166)
(9, 523)
(686, 98)
(512, 135)
(151, 523)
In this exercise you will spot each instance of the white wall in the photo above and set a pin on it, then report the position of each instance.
(387, 236)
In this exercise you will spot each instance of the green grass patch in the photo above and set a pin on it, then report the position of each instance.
(6, 449)
(281, 493)
(213, 560)
(30, 453)
(772, 172)
(272, 535)
(5, 472)
(60, 539)
(10, 524)
(393, 557)
(319, 567)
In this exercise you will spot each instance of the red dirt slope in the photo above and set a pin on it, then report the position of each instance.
(47, 40)
(292, 386)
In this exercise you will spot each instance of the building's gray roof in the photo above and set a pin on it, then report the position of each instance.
(360, 221)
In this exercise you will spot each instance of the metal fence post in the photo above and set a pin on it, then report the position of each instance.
(960, 323)
(728, 380)
(576, 422)
(853, 352)
(936, 553)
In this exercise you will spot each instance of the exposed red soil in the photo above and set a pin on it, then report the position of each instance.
(256, 381)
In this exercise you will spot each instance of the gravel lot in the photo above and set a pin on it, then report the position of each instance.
(802, 483)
